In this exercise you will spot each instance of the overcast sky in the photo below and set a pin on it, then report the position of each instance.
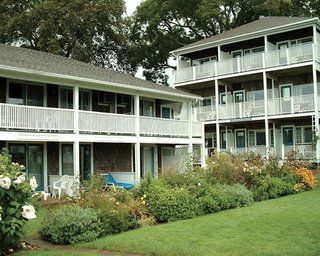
(132, 5)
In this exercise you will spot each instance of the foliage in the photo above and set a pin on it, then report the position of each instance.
(90, 31)
(71, 224)
(170, 204)
(15, 208)
(308, 180)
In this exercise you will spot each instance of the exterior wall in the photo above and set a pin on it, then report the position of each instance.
(112, 157)
(53, 158)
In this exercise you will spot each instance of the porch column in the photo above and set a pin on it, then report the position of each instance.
(137, 114)
(203, 147)
(216, 88)
(137, 163)
(76, 108)
(266, 122)
(76, 164)
(316, 113)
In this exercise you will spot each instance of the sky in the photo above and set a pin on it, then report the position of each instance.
(132, 5)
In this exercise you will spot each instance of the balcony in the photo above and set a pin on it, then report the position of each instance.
(293, 55)
(56, 120)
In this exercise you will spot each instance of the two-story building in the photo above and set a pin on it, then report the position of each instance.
(260, 86)
(64, 117)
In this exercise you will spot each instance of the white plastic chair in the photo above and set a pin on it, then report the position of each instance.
(60, 185)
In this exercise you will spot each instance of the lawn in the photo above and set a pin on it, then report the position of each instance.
(285, 226)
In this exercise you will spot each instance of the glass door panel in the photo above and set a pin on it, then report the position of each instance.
(147, 108)
(84, 100)
(148, 165)
(235, 56)
(35, 164)
(66, 98)
(85, 161)
(287, 135)
(239, 97)
(67, 159)
(240, 139)
(223, 139)
(286, 94)
(17, 93)
(282, 52)
(35, 94)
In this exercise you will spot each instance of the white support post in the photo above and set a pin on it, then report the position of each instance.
(76, 144)
(137, 114)
(266, 122)
(287, 56)
(137, 163)
(315, 57)
(316, 113)
(203, 147)
(216, 87)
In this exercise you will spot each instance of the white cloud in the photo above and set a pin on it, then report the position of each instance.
(132, 5)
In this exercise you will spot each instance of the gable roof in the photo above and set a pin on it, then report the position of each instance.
(266, 23)
(26, 59)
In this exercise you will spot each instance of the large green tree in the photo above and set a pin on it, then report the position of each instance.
(160, 26)
(93, 31)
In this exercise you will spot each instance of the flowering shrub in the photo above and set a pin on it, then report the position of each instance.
(15, 209)
(308, 180)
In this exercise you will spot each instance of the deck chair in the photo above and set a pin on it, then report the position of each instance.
(110, 181)
(60, 185)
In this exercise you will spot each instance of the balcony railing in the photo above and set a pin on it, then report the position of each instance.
(250, 109)
(293, 55)
(36, 118)
(97, 122)
(42, 119)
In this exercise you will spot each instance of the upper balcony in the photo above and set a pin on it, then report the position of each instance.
(253, 61)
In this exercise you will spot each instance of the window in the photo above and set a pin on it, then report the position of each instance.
(307, 134)
(67, 159)
(17, 93)
(84, 100)
(167, 112)
(271, 138)
(203, 60)
(298, 134)
(304, 135)
(124, 104)
(223, 98)
(21, 93)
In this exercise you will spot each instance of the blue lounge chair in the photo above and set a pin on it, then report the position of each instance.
(112, 182)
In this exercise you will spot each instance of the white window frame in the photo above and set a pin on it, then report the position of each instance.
(171, 112)
(244, 93)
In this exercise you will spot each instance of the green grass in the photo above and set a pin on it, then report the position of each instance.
(285, 226)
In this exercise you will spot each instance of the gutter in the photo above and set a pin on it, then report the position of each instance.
(215, 43)
(95, 81)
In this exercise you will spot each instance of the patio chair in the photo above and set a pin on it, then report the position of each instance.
(60, 185)
(110, 181)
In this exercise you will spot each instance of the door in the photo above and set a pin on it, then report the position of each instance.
(85, 161)
(147, 108)
(223, 139)
(67, 159)
(239, 98)
(236, 63)
(84, 100)
(287, 136)
(283, 53)
(66, 98)
(285, 94)
(240, 139)
(31, 156)
(148, 161)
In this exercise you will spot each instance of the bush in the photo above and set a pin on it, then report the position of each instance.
(273, 187)
(306, 178)
(15, 198)
(223, 197)
(169, 204)
(71, 224)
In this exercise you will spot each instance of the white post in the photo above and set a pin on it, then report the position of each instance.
(316, 113)
(287, 56)
(137, 163)
(76, 144)
(282, 151)
(203, 147)
(266, 122)
(216, 87)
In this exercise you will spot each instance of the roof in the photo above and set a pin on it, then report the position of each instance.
(22, 58)
(265, 23)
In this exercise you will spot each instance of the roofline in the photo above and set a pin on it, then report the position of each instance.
(95, 81)
(218, 42)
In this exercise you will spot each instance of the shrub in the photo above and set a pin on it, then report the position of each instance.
(71, 224)
(169, 204)
(306, 178)
(272, 187)
(15, 208)
(223, 197)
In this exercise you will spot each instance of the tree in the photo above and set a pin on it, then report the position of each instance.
(160, 26)
(93, 31)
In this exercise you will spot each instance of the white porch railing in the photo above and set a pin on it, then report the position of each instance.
(36, 118)
(302, 151)
(98, 122)
(206, 113)
(196, 129)
(163, 127)
(291, 105)
(292, 55)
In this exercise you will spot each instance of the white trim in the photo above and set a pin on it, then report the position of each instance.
(252, 35)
